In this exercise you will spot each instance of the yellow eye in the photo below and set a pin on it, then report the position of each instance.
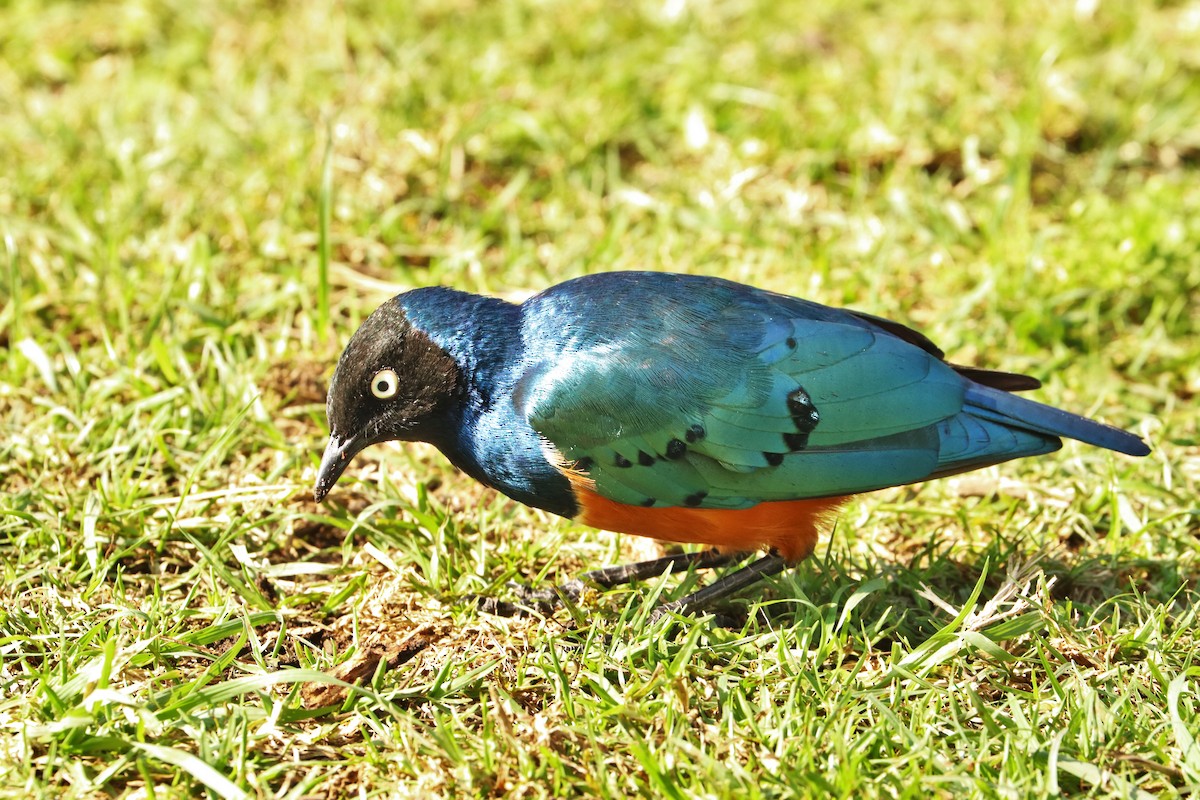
(384, 384)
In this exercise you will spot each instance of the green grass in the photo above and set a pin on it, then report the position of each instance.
(199, 202)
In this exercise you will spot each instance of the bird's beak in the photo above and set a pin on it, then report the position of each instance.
(337, 456)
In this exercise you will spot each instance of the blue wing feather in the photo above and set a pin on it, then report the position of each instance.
(620, 383)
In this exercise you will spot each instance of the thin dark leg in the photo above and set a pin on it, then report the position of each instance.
(730, 584)
(608, 577)
(545, 600)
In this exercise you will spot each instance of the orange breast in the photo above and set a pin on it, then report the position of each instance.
(789, 526)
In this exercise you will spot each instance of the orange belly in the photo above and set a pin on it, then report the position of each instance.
(789, 526)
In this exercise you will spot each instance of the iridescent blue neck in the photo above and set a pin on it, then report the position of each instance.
(484, 435)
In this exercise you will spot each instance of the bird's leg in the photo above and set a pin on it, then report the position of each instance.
(730, 584)
(545, 599)
(607, 577)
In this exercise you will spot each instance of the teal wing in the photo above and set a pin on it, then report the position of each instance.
(806, 408)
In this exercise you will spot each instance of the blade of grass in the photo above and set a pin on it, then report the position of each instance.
(325, 207)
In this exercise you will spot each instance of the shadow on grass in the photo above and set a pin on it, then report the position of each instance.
(906, 603)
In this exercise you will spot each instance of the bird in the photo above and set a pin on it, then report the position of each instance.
(685, 408)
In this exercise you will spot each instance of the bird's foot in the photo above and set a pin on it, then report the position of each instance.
(545, 601)
(532, 601)
(719, 590)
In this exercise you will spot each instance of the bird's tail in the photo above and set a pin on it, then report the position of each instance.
(1017, 412)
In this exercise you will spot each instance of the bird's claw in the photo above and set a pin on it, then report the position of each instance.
(531, 596)
(530, 600)
(501, 608)
(664, 610)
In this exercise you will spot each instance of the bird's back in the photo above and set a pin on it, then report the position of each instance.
(794, 399)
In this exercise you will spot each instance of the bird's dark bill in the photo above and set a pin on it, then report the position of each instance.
(333, 463)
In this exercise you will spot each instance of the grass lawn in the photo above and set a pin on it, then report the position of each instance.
(199, 202)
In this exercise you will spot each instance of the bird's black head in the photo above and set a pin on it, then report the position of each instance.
(391, 382)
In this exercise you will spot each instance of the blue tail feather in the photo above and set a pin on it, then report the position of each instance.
(1017, 412)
